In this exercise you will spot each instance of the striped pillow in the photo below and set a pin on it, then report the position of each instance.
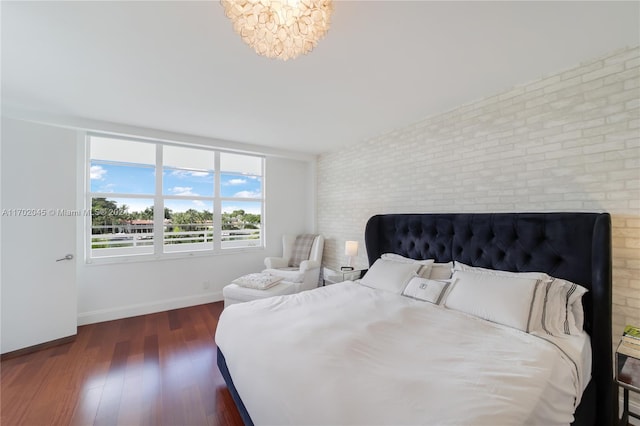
(504, 300)
(557, 306)
(560, 309)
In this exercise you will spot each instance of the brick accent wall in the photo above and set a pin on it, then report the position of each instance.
(569, 141)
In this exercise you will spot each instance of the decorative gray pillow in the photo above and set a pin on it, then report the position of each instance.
(301, 249)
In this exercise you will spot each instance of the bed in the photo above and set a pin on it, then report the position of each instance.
(290, 360)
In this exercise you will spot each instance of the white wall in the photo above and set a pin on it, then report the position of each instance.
(569, 141)
(120, 290)
(111, 291)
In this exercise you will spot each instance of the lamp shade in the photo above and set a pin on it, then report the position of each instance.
(351, 248)
(282, 29)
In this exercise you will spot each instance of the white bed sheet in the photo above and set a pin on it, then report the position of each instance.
(351, 355)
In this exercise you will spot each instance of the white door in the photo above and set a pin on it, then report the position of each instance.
(38, 185)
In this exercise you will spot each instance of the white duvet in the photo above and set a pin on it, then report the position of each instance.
(351, 355)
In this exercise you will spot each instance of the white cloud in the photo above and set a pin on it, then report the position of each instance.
(189, 173)
(107, 188)
(247, 194)
(236, 181)
(97, 173)
(182, 190)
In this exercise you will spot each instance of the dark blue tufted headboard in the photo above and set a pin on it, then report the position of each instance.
(573, 246)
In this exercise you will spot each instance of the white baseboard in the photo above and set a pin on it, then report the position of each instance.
(101, 315)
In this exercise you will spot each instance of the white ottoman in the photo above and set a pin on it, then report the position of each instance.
(234, 293)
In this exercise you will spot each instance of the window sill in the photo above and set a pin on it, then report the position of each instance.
(120, 260)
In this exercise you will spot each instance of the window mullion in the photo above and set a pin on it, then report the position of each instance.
(88, 199)
(217, 205)
(158, 206)
(263, 206)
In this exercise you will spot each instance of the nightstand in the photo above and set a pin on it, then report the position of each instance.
(332, 277)
(627, 368)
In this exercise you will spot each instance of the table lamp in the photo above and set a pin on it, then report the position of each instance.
(351, 251)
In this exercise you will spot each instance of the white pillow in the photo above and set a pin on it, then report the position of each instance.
(441, 271)
(561, 312)
(459, 266)
(557, 307)
(578, 311)
(390, 275)
(505, 300)
(424, 289)
(258, 280)
(576, 322)
(423, 272)
(573, 294)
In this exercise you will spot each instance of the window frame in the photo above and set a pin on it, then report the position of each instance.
(159, 202)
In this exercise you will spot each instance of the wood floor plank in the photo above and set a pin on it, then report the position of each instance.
(109, 407)
(157, 369)
(174, 320)
(86, 408)
(130, 412)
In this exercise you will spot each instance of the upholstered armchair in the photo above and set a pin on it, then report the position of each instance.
(299, 268)
(299, 262)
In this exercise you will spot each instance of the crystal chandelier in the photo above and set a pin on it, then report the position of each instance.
(282, 29)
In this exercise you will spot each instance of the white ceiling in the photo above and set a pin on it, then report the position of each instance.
(178, 66)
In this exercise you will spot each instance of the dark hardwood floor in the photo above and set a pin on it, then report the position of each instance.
(157, 369)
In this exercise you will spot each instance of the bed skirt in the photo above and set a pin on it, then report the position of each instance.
(222, 365)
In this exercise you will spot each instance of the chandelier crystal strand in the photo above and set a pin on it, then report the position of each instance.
(282, 29)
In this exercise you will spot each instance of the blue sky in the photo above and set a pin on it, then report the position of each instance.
(140, 180)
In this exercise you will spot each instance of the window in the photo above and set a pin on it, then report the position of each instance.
(188, 193)
(241, 199)
(154, 198)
